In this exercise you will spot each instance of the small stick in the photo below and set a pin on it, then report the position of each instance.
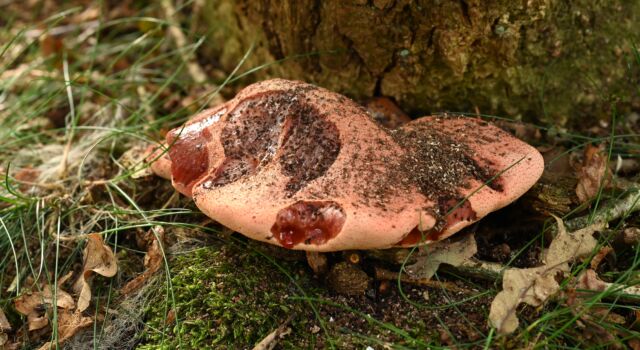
(623, 207)
(270, 341)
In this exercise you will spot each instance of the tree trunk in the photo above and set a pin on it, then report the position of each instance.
(542, 60)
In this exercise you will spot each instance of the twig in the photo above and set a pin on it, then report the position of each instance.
(623, 207)
(270, 341)
(386, 275)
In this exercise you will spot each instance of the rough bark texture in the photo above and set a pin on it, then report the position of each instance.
(545, 60)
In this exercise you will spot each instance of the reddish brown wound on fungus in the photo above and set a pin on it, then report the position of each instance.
(308, 222)
(189, 156)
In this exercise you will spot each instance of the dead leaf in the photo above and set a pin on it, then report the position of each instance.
(51, 45)
(134, 161)
(26, 176)
(588, 280)
(98, 258)
(453, 251)
(535, 285)
(69, 323)
(631, 235)
(593, 174)
(5, 326)
(34, 305)
(4, 322)
(602, 253)
(591, 317)
(152, 259)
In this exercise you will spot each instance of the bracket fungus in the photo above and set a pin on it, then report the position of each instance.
(298, 166)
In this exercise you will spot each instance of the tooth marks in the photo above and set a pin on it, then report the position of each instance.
(251, 138)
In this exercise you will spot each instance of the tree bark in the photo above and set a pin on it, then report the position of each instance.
(541, 60)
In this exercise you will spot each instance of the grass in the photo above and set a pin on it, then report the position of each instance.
(70, 114)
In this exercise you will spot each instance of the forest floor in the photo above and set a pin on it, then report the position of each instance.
(95, 251)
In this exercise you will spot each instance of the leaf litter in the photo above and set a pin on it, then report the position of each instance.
(536, 285)
(37, 305)
(98, 258)
(594, 173)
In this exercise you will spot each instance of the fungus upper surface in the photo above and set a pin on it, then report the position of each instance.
(305, 168)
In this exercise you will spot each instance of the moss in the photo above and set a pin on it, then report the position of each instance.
(231, 297)
(227, 299)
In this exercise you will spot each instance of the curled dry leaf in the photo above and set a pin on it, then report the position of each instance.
(586, 285)
(631, 235)
(602, 253)
(4, 327)
(4, 322)
(453, 251)
(33, 305)
(98, 258)
(152, 259)
(535, 285)
(69, 323)
(593, 174)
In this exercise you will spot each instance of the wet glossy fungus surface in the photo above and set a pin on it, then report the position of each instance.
(189, 155)
(308, 222)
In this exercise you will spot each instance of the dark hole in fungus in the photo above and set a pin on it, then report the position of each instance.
(308, 222)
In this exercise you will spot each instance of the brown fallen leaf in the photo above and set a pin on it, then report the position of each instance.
(631, 235)
(133, 161)
(152, 259)
(602, 253)
(453, 251)
(4, 322)
(588, 280)
(587, 284)
(98, 258)
(69, 323)
(593, 174)
(5, 326)
(33, 305)
(535, 285)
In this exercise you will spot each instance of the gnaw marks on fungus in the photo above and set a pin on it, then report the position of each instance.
(276, 125)
(311, 145)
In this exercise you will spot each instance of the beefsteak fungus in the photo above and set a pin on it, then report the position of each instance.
(298, 166)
